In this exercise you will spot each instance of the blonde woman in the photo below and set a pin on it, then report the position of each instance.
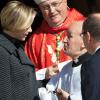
(17, 76)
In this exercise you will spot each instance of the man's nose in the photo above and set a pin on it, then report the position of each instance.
(51, 9)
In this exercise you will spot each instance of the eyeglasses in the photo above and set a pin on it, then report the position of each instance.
(52, 5)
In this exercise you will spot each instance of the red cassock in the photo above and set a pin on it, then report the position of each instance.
(41, 47)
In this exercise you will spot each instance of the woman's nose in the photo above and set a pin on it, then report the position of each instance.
(30, 29)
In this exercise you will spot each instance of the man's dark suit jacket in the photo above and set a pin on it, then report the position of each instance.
(17, 75)
(90, 78)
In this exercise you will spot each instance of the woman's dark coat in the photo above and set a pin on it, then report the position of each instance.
(17, 75)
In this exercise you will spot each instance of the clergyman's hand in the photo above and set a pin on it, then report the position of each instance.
(51, 71)
(62, 95)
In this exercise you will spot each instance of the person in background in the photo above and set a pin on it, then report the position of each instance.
(80, 5)
(45, 46)
(17, 74)
(67, 83)
(91, 69)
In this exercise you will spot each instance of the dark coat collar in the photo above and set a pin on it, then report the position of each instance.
(81, 59)
(12, 46)
(7, 43)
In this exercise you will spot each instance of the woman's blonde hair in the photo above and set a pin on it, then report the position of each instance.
(16, 16)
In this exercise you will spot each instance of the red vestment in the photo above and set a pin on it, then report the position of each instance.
(41, 46)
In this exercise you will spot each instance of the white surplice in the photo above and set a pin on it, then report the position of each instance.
(68, 79)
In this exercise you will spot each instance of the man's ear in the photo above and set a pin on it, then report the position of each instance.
(82, 45)
(88, 36)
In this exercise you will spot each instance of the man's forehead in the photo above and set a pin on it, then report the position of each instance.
(40, 2)
(73, 32)
(75, 28)
(48, 1)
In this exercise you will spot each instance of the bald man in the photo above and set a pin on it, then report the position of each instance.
(67, 82)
